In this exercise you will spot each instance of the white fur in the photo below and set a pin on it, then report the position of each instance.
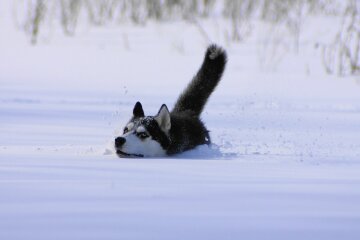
(163, 119)
(147, 147)
(140, 129)
(130, 126)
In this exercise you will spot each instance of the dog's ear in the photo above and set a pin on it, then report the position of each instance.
(138, 110)
(163, 118)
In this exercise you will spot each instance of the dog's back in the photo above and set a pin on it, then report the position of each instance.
(187, 129)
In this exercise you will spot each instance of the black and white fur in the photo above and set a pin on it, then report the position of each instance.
(181, 129)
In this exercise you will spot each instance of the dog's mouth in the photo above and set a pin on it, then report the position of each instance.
(129, 155)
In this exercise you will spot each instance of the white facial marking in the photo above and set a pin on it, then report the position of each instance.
(140, 129)
(147, 147)
(130, 126)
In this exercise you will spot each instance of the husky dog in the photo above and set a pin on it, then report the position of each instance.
(181, 129)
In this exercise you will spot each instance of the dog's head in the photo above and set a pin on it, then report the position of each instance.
(145, 136)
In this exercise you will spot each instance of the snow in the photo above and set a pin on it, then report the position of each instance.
(284, 163)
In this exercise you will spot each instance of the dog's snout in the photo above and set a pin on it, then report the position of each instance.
(119, 141)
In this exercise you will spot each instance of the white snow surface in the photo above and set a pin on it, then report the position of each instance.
(284, 164)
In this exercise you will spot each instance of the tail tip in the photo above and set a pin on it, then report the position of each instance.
(214, 52)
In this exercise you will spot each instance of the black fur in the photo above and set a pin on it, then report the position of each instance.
(138, 110)
(187, 130)
(155, 132)
(196, 94)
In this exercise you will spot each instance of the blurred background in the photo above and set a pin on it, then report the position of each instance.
(276, 47)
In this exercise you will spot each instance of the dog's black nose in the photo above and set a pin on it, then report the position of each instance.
(119, 141)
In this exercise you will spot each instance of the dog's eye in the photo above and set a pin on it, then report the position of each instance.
(125, 130)
(142, 135)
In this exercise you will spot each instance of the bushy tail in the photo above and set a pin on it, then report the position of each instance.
(203, 84)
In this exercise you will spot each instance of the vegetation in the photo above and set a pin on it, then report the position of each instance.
(341, 56)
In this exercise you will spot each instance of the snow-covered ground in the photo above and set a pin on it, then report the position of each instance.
(285, 163)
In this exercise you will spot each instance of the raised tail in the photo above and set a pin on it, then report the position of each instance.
(196, 94)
